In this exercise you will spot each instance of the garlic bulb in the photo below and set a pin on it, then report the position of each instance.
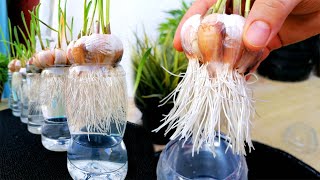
(213, 92)
(14, 65)
(44, 59)
(60, 57)
(98, 48)
(47, 58)
(219, 39)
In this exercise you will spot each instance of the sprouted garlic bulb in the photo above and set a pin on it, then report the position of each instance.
(213, 92)
(14, 65)
(48, 58)
(94, 76)
(97, 48)
(44, 59)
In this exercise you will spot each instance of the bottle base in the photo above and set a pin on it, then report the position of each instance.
(16, 113)
(89, 169)
(57, 145)
(24, 120)
(34, 129)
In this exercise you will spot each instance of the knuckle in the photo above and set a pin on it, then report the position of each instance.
(275, 4)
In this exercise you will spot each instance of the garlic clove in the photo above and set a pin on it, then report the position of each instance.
(233, 46)
(189, 37)
(210, 39)
(248, 61)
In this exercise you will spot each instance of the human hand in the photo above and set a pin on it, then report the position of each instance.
(271, 24)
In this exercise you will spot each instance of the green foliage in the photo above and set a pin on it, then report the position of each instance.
(155, 81)
(168, 28)
(3, 70)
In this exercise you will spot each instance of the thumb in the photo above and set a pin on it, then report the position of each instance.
(265, 21)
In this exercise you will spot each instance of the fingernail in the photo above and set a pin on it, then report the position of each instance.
(258, 34)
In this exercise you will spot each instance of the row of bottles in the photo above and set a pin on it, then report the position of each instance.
(96, 150)
(39, 101)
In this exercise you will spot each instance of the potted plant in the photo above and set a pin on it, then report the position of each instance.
(154, 64)
(291, 63)
(3, 72)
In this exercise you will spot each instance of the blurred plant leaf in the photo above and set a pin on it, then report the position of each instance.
(154, 81)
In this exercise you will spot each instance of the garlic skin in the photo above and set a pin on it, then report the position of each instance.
(213, 93)
(44, 59)
(189, 38)
(14, 65)
(60, 57)
(11, 66)
(98, 48)
(69, 52)
(219, 39)
(211, 34)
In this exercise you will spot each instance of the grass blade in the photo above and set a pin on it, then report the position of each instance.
(140, 68)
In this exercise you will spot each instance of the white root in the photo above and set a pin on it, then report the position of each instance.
(203, 103)
(52, 91)
(96, 99)
(16, 85)
(34, 83)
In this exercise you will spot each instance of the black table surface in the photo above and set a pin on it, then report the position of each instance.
(22, 156)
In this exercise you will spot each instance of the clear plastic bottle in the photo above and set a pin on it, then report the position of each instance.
(35, 116)
(55, 135)
(10, 99)
(16, 90)
(96, 109)
(97, 156)
(177, 163)
(24, 101)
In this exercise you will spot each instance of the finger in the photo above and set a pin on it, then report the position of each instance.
(265, 21)
(299, 28)
(198, 7)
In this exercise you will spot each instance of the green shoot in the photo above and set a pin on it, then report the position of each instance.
(108, 16)
(25, 39)
(92, 16)
(70, 28)
(37, 19)
(66, 26)
(222, 7)
(59, 24)
(247, 8)
(101, 16)
(104, 17)
(86, 11)
(24, 23)
(237, 7)
(30, 39)
(10, 39)
(217, 6)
